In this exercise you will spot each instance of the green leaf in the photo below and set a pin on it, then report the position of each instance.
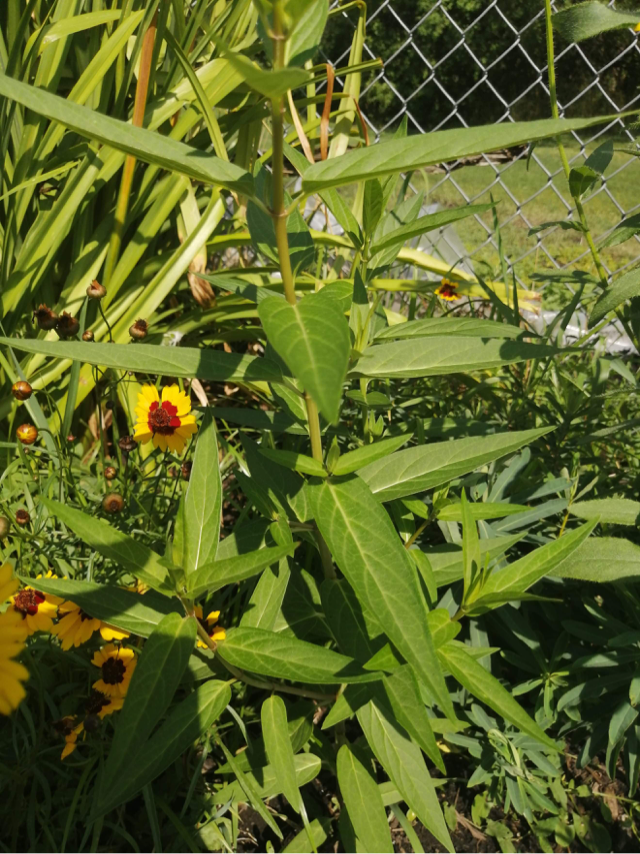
(346, 620)
(419, 150)
(459, 327)
(363, 800)
(602, 559)
(271, 654)
(480, 510)
(146, 145)
(272, 83)
(563, 224)
(405, 765)
(613, 511)
(128, 553)
(248, 785)
(620, 291)
(319, 829)
(313, 339)
(203, 501)
(275, 732)
(372, 206)
(266, 600)
(426, 466)
(295, 462)
(213, 365)
(622, 232)
(586, 20)
(67, 26)
(186, 722)
(470, 548)
(486, 688)
(159, 670)
(581, 180)
(436, 356)
(354, 460)
(403, 696)
(423, 224)
(621, 720)
(523, 573)
(365, 545)
(214, 576)
(124, 609)
(307, 769)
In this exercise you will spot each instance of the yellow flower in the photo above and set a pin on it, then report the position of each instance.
(8, 584)
(13, 633)
(117, 664)
(67, 727)
(447, 290)
(100, 705)
(165, 421)
(215, 632)
(75, 627)
(37, 609)
(110, 633)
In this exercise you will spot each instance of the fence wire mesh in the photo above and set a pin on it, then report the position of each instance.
(531, 187)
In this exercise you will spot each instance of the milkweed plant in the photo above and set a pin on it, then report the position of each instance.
(222, 506)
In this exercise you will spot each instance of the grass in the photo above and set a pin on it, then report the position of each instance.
(539, 203)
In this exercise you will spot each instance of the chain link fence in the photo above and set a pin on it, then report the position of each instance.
(507, 82)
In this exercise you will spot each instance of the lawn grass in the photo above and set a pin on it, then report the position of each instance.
(539, 203)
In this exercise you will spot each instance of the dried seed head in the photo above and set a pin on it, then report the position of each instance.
(96, 290)
(67, 326)
(110, 473)
(92, 723)
(22, 518)
(127, 444)
(113, 503)
(173, 471)
(27, 434)
(5, 526)
(21, 390)
(44, 317)
(185, 468)
(87, 336)
(139, 330)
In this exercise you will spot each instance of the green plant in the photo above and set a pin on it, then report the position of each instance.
(337, 646)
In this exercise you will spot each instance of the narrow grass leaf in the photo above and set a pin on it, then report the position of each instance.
(250, 789)
(423, 224)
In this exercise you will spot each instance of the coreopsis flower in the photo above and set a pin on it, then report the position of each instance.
(36, 608)
(166, 421)
(75, 627)
(117, 664)
(13, 634)
(99, 705)
(447, 290)
(210, 625)
(110, 633)
(70, 730)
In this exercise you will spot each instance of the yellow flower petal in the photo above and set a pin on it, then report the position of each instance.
(148, 394)
(110, 633)
(176, 443)
(160, 441)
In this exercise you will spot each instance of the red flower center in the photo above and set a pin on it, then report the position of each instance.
(27, 601)
(113, 671)
(163, 418)
(447, 290)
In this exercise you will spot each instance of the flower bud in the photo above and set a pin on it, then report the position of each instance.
(27, 434)
(139, 330)
(22, 518)
(87, 336)
(110, 473)
(113, 503)
(127, 444)
(67, 326)
(21, 391)
(185, 468)
(5, 525)
(96, 290)
(44, 317)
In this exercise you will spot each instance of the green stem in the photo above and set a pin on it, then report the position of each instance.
(553, 95)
